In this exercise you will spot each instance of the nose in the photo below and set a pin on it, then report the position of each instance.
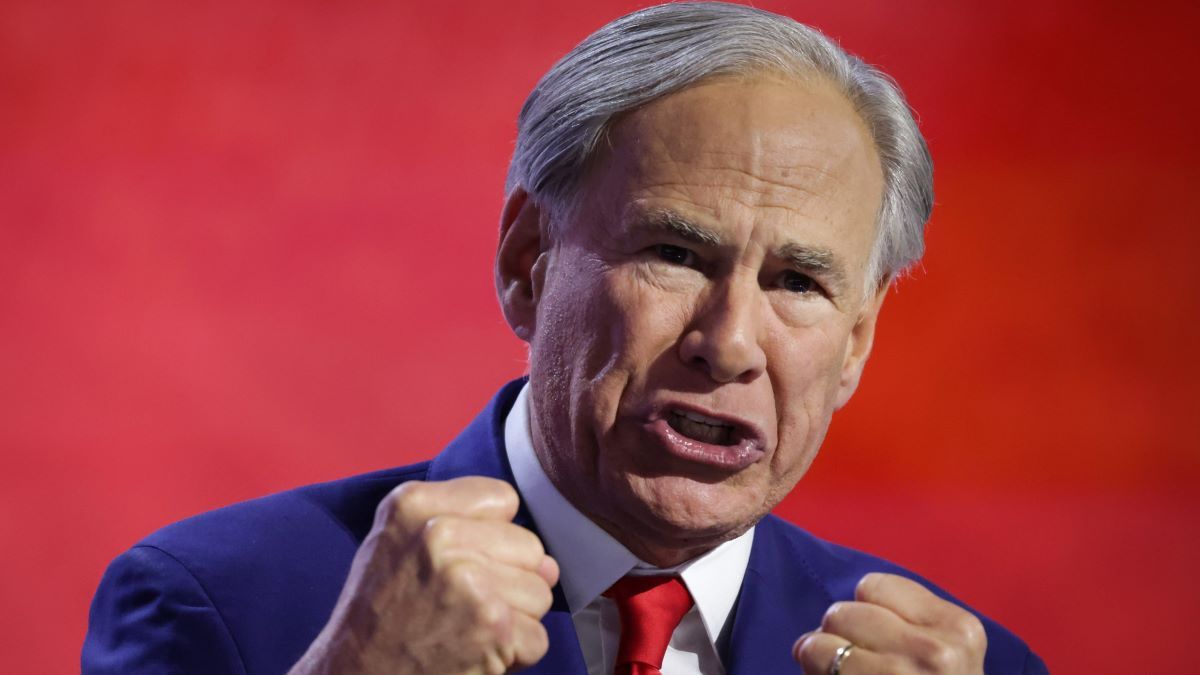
(723, 338)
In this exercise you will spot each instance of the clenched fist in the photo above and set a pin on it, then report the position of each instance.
(896, 626)
(444, 583)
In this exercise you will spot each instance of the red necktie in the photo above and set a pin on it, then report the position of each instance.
(651, 608)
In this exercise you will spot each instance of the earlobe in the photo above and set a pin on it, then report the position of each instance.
(862, 336)
(519, 265)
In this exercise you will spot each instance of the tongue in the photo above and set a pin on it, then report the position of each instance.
(705, 433)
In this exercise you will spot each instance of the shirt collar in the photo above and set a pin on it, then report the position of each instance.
(589, 558)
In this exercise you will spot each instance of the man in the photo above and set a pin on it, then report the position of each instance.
(706, 207)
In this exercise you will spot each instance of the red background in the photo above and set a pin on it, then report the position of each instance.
(247, 245)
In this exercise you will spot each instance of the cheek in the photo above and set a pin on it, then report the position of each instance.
(619, 324)
(630, 326)
(806, 373)
(593, 338)
(811, 362)
(645, 319)
(567, 309)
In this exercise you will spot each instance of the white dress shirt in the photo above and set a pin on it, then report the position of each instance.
(591, 561)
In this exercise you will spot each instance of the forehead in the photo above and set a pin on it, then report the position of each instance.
(745, 151)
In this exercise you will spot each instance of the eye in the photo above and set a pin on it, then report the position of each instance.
(676, 255)
(799, 283)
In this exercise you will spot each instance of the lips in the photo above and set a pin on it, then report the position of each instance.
(719, 442)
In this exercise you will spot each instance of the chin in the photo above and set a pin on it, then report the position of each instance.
(679, 512)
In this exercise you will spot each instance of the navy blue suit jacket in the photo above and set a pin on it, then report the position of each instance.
(246, 588)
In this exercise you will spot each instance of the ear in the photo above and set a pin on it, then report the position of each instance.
(862, 336)
(520, 267)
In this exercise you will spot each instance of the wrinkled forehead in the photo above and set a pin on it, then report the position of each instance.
(771, 128)
(747, 148)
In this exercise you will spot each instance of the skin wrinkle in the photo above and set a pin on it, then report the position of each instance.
(785, 170)
(824, 165)
(617, 327)
(670, 222)
(820, 263)
(820, 197)
(782, 71)
(768, 188)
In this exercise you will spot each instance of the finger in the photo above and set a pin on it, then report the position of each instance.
(907, 598)
(873, 626)
(959, 635)
(452, 537)
(882, 631)
(521, 590)
(414, 502)
(816, 651)
(548, 570)
(530, 641)
(496, 606)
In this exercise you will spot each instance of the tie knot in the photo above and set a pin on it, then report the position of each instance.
(650, 609)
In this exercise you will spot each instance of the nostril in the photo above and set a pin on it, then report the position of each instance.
(722, 355)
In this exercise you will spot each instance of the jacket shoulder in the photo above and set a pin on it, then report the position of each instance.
(149, 612)
(332, 510)
(244, 588)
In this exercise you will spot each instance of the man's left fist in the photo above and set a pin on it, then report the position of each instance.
(896, 626)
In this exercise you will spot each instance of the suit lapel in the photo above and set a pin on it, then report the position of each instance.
(479, 451)
(781, 598)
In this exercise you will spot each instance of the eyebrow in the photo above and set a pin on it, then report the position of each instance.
(815, 261)
(675, 224)
(818, 261)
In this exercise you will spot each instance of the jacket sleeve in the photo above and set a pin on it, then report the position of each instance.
(1034, 665)
(151, 615)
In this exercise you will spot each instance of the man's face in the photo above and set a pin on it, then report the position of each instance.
(701, 315)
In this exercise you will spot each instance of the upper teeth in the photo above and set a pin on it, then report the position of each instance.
(703, 419)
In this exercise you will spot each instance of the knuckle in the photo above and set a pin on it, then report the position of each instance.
(434, 545)
(483, 488)
(461, 576)
(495, 617)
(868, 586)
(834, 617)
(405, 498)
(439, 533)
(969, 630)
(503, 490)
(534, 543)
(807, 650)
(410, 495)
(942, 658)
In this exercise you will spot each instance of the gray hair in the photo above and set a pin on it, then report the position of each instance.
(656, 51)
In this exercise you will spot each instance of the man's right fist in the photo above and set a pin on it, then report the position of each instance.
(443, 583)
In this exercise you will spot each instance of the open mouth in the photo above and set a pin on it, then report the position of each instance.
(723, 443)
(702, 428)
